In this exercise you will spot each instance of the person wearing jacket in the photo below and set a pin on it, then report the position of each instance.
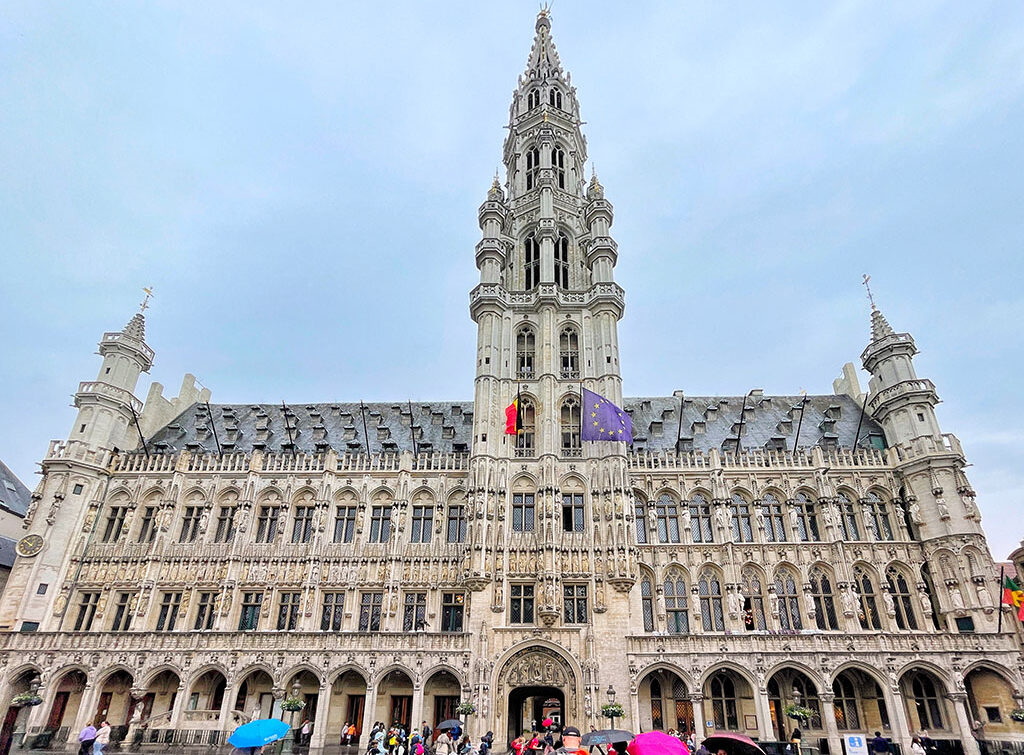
(85, 738)
(102, 739)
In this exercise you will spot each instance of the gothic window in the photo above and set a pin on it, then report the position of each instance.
(823, 599)
(205, 613)
(867, 612)
(668, 519)
(877, 512)
(422, 523)
(555, 98)
(753, 601)
(901, 599)
(848, 529)
(804, 689)
(647, 603)
(225, 531)
(332, 612)
(190, 524)
(741, 529)
(562, 258)
(926, 701)
(456, 523)
(789, 601)
(115, 521)
(774, 526)
(521, 604)
(533, 99)
(709, 587)
(558, 163)
(266, 524)
(569, 353)
(302, 527)
(572, 512)
(250, 616)
(676, 608)
(123, 612)
(657, 719)
(147, 528)
(574, 603)
(531, 257)
(344, 524)
(380, 524)
(723, 702)
(414, 616)
(700, 519)
(167, 618)
(570, 427)
(288, 611)
(527, 433)
(532, 168)
(371, 605)
(86, 611)
(640, 520)
(845, 704)
(526, 348)
(522, 512)
(453, 609)
(806, 518)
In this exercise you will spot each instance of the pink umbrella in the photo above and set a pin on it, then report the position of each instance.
(732, 743)
(656, 743)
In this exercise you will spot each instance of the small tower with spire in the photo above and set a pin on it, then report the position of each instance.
(107, 406)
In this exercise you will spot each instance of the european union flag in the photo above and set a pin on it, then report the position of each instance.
(603, 420)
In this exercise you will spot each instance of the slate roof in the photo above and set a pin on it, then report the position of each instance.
(7, 552)
(447, 426)
(14, 496)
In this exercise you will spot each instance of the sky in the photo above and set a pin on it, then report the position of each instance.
(299, 184)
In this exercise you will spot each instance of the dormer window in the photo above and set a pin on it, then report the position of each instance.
(532, 167)
(558, 163)
(562, 261)
(555, 98)
(531, 254)
(533, 99)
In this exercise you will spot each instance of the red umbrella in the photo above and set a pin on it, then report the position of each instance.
(656, 743)
(734, 744)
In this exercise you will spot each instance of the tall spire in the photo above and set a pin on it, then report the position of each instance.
(880, 327)
(543, 62)
(136, 327)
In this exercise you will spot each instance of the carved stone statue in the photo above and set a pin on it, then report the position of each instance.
(735, 603)
(915, 513)
(956, 598)
(940, 504)
(851, 601)
(890, 604)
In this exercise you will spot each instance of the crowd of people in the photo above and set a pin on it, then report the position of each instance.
(395, 740)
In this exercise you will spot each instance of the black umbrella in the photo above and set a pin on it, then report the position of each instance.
(605, 736)
(732, 743)
(451, 723)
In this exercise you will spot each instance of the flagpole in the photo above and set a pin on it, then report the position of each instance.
(679, 429)
(1002, 577)
(412, 431)
(366, 433)
(863, 408)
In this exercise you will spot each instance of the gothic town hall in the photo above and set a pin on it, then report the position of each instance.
(387, 561)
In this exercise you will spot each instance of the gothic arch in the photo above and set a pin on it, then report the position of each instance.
(735, 668)
(646, 671)
(297, 496)
(346, 490)
(102, 677)
(701, 491)
(355, 668)
(227, 492)
(942, 675)
(11, 676)
(154, 672)
(438, 668)
(742, 492)
(198, 673)
(667, 492)
(572, 481)
(267, 494)
(524, 481)
(793, 665)
(381, 675)
(153, 492)
(380, 490)
(866, 668)
(253, 668)
(989, 665)
(297, 669)
(534, 661)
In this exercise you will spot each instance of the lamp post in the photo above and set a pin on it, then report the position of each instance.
(611, 701)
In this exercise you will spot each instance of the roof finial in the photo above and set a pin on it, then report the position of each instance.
(145, 302)
(867, 285)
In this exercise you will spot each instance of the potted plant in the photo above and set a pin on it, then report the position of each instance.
(798, 712)
(1017, 714)
(465, 709)
(293, 704)
(613, 710)
(27, 698)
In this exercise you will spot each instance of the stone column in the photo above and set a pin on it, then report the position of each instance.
(963, 720)
(224, 721)
(323, 702)
(86, 709)
(898, 721)
(828, 715)
(369, 715)
(764, 716)
(698, 718)
(634, 706)
(416, 712)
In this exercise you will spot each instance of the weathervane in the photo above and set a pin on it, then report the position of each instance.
(145, 302)
(867, 285)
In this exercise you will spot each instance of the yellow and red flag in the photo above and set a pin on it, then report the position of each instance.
(514, 417)
(1013, 596)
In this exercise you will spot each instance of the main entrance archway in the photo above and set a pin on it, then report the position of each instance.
(536, 682)
(529, 706)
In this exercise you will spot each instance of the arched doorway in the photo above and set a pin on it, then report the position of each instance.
(990, 700)
(793, 687)
(665, 702)
(535, 683)
(394, 699)
(348, 700)
(13, 731)
(441, 694)
(67, 698)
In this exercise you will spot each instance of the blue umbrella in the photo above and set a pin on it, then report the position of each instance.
(258, 733)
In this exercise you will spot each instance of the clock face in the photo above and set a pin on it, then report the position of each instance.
(30, 545)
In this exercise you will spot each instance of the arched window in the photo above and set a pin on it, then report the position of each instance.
(676, 610)
(526, 350)
(640, 520)
(647, 603)
(876, 511)
(570, 426)
(531, 263)
(555, 98)
(902, 602)
(526, 438)
(532, 167)
(868, 609)
(926, 701)
(700, 519)
(533, 99)
(723, 702)
(807, 693)
(709, 588)
(928, 599)
(684, 708)
(774, 527)
(558, 163)
(657, 717)
(806, 518)
(562, 261)
(848, 529)
(741, 529)
(845, 704)
(823, 599)
(789, 601)
(668, 519)
(753, 601)
(569, 353)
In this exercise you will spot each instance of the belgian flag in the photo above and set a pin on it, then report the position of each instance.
(514, 416)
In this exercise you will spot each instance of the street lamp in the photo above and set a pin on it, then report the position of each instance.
(611, 701)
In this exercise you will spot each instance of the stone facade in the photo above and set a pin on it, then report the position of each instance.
(385, 561)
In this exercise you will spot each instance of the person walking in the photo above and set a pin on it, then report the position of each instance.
(571, 741)
(916, 748)
(426, 731)
(879, 744)
(85, 739)
(102, 739)
(443, 744)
